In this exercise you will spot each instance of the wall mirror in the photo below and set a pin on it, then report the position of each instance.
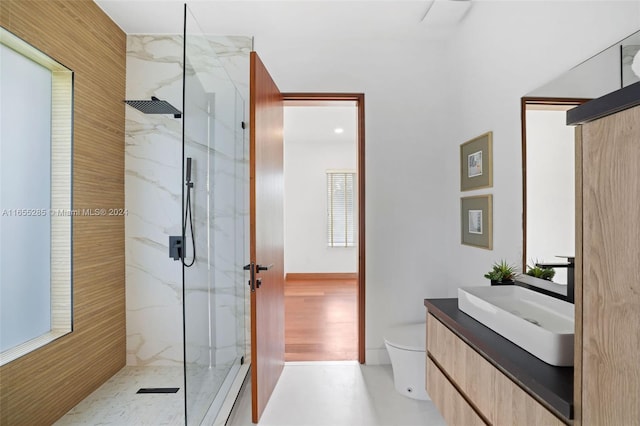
(548, 156)
(36, 95)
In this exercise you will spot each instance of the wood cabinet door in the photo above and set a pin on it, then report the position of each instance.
(610, 287)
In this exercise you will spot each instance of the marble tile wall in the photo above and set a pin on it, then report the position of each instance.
(215, 294)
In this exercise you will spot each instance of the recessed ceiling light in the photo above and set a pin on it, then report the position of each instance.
(338, 130)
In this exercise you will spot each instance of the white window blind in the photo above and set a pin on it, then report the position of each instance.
(340, 209)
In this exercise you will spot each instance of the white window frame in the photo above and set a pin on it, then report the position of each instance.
(341, 209)
(61, 192)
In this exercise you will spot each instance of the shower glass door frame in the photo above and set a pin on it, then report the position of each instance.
(214, 225)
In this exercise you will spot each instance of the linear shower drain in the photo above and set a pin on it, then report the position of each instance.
(158, 390)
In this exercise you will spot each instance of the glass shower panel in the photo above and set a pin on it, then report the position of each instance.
(214, 201)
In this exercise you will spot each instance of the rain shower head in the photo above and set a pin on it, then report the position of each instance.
(155, 106)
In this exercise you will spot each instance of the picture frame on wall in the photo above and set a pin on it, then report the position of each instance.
(476, 168)
(476, 220)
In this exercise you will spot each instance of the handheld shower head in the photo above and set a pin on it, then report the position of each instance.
(188, 174)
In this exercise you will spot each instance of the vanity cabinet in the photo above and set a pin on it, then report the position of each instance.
(607, 369)
(467, 389)
(452, 405)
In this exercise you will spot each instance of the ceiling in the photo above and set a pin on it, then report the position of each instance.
(359, 18)
(317, 124)
(337, 20)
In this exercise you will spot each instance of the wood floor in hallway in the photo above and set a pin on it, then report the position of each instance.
(321, 319)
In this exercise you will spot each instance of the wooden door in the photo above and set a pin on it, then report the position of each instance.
(267, 234)
(608, 289)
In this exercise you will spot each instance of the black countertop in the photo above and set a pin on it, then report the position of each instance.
(553, 385)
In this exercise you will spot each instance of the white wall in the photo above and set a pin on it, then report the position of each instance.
(401, 79)
(423, 99)
(306, 161)
(491, 70)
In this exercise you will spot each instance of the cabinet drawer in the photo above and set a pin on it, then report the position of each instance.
(513, 406)
(453, 407)
(497, 397)
(467, 369)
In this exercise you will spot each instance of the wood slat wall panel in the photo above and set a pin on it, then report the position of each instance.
(40, 387)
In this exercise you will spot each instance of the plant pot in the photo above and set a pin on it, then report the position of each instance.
(503, 282)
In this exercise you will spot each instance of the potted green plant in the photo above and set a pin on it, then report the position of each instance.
(501, 273)
(542, 273)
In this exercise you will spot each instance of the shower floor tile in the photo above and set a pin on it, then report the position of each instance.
(116, 401)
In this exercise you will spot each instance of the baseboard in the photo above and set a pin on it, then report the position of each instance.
(377, 357)
(312, 363)
(321, 276)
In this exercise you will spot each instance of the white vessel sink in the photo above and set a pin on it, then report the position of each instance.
(539, 324)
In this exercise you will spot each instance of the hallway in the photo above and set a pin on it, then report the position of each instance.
(321, 319)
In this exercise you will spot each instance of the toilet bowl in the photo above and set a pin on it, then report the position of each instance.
(406, 345)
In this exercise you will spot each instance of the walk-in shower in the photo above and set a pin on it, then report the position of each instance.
(188, 186)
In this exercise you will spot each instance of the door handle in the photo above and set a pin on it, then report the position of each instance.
(263, 268)
(253, 269)
(252, 275)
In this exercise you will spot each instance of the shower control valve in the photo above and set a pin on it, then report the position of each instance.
(175, 247)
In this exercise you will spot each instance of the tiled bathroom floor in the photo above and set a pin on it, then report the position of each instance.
(308, 393)
(116, 401)
(336, 394)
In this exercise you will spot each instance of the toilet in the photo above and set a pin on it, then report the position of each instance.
(406, 345)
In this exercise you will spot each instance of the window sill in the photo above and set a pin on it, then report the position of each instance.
(30, 346)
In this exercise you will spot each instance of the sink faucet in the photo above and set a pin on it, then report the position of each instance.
(570, 265)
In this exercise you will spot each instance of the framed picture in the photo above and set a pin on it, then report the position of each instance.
(475, 163)
(476, 219)
(630, 71)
